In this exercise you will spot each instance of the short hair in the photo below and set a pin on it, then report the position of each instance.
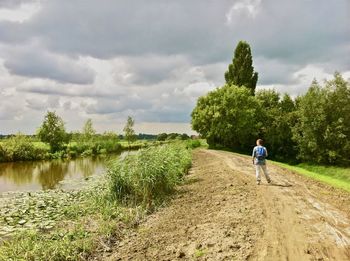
(260, 141)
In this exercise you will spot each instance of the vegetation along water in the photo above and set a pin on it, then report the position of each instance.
(71, 225)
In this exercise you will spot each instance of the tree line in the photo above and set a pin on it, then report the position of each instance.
(314, 127)
(52, 141)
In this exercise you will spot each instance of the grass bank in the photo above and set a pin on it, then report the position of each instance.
(88, 223)
(338, 177)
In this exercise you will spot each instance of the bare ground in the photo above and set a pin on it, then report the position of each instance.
(221, 214)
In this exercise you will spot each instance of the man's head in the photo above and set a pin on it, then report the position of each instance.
(259, 142)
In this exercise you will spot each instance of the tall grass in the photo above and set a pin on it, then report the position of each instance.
(149, 175)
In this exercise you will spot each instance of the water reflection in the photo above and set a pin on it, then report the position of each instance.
(49, 174)
(42, 175)
(17, 173)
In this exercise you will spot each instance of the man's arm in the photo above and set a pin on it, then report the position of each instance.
(253, 155)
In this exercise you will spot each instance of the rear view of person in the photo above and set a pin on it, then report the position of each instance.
(259, 160)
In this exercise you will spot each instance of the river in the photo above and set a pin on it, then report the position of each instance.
(53, 174)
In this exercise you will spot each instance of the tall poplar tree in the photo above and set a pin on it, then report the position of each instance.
(241, 71)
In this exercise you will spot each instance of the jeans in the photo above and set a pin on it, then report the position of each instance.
(258, 167)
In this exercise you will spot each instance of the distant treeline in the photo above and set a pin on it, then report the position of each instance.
(53, 141)
(140, 136)
(22, 147)
(314, 127)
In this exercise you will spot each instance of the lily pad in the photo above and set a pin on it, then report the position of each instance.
(22, 221)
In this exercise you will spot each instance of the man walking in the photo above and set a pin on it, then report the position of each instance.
(259, 160)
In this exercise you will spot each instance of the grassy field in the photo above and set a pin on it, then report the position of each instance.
(338, 177)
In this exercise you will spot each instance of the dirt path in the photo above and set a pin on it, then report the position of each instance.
(221, 214)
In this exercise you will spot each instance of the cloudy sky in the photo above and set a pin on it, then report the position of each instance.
(152, 59)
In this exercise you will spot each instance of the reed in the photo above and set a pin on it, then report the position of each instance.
(149, 175)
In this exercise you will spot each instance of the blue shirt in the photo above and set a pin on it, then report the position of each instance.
(256, 161)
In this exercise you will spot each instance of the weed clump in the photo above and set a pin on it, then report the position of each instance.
(150, 174)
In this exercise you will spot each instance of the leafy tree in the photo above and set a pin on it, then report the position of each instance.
(129, 133)
(162, 136)
(88, 130)
(308, 132)
(144, 136)
(110, 135)
(323, 128)
(227, 116)
(241, 71)
(184, 136)
(277, 119)
(173, 136)
(337, 110)
(52, 131)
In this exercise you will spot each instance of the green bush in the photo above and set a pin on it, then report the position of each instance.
(72, 153)
(81, 147)
(193, 143)
(2, 153)
(150, 174)
(86, 153)
(21, 148)
(94, 147)
(102, 151)
(58, 155)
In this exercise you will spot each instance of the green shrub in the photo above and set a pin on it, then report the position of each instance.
(81, 147)
(149, 175)
(94, 147)
(21, 148)
(193, 143)
(102, 151)
(72, 153)
(41, 153)
(86, 153)
(58, 155)
(2, 153)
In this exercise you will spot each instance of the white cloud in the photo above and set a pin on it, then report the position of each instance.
(243, 7)
(20, 13)
(195, 90)
(105, 62)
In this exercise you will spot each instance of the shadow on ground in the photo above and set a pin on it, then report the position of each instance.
(278, 185)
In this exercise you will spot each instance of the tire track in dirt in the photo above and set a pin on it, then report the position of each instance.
(221, 214)
(300, 222)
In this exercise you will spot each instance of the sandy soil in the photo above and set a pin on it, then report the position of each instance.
(221, 214)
